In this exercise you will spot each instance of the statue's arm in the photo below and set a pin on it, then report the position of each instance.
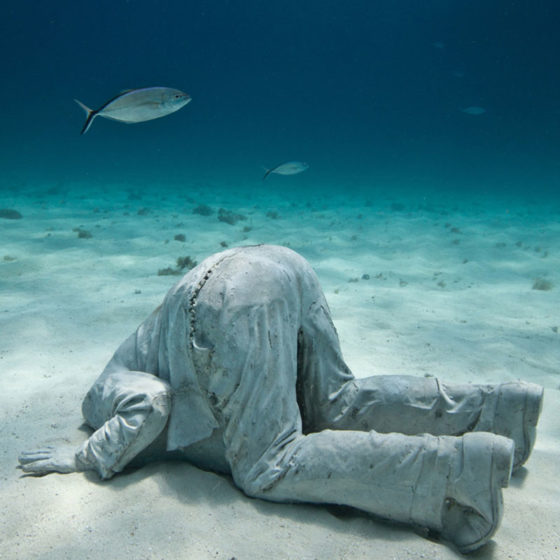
(68, 459)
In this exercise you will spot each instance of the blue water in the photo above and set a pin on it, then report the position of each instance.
(435, 232)
(369, 93)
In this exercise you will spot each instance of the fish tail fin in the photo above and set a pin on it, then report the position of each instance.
(268, 171)
(90, 116)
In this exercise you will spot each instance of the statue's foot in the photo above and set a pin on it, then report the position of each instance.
(474, 505)
(517, 412)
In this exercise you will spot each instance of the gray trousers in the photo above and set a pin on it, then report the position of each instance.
(294, 424)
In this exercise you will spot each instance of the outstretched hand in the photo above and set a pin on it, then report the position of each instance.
(49, 459)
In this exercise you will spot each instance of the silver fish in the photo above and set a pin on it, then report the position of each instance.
(474, 111)
(138, 105)
(288, 168)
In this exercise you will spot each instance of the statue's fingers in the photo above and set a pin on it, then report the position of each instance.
(36, 468)
(46, 449)
(31, 456)
(27, 456)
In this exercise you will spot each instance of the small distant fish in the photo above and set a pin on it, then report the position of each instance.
(438, 45)
(138, 105)
(475, 111)
(288, 168)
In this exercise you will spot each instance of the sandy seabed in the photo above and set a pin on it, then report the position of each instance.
(468, 291)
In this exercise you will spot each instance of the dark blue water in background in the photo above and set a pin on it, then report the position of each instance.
(368, 92)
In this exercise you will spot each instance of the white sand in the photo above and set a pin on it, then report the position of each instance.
(455, 303)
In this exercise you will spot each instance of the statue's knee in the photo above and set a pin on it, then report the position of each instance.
(258, 481)
(250, 487)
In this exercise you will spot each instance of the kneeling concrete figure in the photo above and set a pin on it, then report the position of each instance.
(240, 371)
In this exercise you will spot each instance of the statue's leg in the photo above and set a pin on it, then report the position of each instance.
(330, 397)
(127, 410)
(447, 484)
(252, 317)
(414, 405)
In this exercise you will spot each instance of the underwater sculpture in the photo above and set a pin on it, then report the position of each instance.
(240, 371)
